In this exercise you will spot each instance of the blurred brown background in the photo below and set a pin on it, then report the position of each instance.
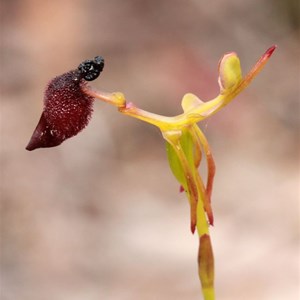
(100, 217)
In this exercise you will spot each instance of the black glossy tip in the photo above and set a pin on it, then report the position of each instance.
(91, 69)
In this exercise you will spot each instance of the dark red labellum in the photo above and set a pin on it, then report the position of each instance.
(67, 110)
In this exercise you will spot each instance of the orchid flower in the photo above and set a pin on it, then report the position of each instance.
(185, 144)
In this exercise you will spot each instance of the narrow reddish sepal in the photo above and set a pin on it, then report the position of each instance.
(270, 51)
(67, 110)
(193, 227)
(209, 214)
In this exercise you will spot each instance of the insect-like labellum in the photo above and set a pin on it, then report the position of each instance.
(67, 109)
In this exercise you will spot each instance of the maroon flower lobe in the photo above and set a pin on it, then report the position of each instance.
(67, 109)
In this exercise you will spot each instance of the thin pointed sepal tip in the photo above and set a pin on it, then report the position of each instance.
(193, 227)
(270, 51)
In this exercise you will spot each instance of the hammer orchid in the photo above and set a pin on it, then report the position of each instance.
(186, 144)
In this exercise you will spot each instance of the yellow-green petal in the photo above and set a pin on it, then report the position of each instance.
(190, 101)
(230, 73)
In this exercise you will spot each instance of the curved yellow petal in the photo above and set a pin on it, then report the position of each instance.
(190, 101)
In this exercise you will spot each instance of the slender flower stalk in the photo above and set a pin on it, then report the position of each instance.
(67, 110)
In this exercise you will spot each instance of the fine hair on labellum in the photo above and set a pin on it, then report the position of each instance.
(67, 109)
